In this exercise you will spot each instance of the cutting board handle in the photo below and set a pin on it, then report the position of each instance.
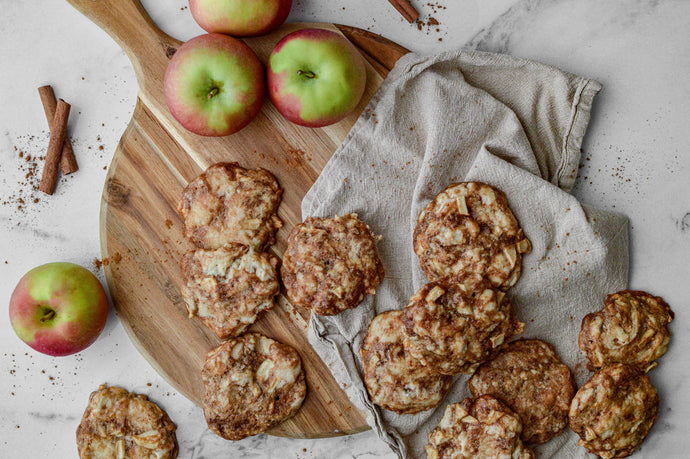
(128, 23)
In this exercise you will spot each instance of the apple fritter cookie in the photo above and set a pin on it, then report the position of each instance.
(118, 423)
(394, 379)
(632, 328)
(529, 377)
(228, 203)
(251, 383)
(228, 288)
(454, 327)
(483, 428)
(614, 411)
(469, 228)
(330, 264)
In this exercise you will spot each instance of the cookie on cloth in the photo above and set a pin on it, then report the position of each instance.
(251, 384)
(529, 377)
(483, 428)
(330, 264)
(228, 203)
(469, 228)
(394, 379)
(614, 411)
(118, 423)
(229, 287)
(632, 328)
(453, 327)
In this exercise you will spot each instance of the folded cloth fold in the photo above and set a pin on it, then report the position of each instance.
(471, 116)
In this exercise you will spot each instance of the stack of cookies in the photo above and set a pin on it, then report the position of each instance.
(251, 382)
(614, 411)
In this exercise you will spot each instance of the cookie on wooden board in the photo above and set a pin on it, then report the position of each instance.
(469, 228)
(453, 327)
(394, 379)
(481, 428)
(118, 423)
(229, 287)
(331, 264)
(228, 203)
(614, 411)
(529, 377)
(251, 384)
(632, 328)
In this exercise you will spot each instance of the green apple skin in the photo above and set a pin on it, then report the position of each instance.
(58, 308)
(315, 77)
(240, 18)
(214, 85)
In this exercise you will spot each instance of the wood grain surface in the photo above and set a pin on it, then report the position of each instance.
(141, 232)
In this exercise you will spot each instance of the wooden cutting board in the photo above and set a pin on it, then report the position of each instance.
(141, 233)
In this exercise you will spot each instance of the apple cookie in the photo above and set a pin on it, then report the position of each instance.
(632, 328)
(394, 379)
(482, 428)
(251, 383)
(330, 264)
(469, 228)
(229, 204)
(614, 411)
(454, 327)
(228, 288)
(529, 377)
(118, 423)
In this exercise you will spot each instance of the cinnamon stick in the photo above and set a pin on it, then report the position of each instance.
(405, 8)
(68, 163)
(58, 135)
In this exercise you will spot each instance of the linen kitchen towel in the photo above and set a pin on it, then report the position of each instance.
(471, 116)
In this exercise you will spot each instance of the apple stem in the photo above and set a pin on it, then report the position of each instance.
(212, 93)
(306, 74)
(48, 314)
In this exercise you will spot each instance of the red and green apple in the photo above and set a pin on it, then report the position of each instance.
(315, 77)
(58, 308)
(214, 85)
(240, 18)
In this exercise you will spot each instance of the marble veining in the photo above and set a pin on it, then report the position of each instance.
(634, 161)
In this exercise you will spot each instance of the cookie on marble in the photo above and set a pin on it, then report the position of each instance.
(614, 411)
(251, 383)
(529, 377)
(483, 428)
(229, 287)
(230, 204)
(331, 264)
(469, 228)
(453, 327)
(632, 328)
(394, 379)
(118, 423)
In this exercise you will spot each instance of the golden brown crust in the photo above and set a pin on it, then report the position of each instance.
(228, 203)
(251, 383)
(454, 327)
(614, 411)
(228, 288)
(529, 377)
(394, 379)
(469, 228)
(118, 423)
(632, 328)
(330, 264)
(478, 429)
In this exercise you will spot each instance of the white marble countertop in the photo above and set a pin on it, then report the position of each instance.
(636, 161)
